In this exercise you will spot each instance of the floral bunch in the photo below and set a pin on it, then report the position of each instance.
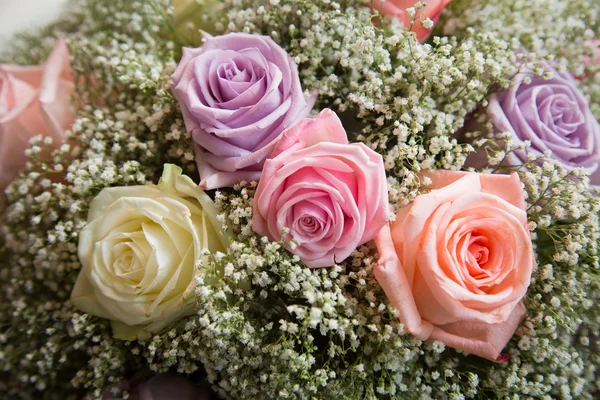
(406, 202)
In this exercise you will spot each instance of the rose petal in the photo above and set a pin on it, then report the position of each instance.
(390, 274)
(327, 127)
(483, 340)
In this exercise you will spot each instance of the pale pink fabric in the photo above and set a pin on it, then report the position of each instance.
(397, 9)
(331, 195)
(458, 261)
(33, 100)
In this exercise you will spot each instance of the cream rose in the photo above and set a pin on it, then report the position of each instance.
(458, 261)
(139, 253)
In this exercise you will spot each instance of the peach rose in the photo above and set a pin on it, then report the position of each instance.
(33, 100)
(331, 195)
(397, 9)
(458, 261)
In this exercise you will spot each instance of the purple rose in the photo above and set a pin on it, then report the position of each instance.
(238, 93)
(553, 115)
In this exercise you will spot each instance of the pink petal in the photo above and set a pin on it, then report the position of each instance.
(326, 127)
(410, 223)
(481, 339)
(57, 88)
(390, 275)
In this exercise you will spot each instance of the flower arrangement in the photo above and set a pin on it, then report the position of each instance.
(308, 200)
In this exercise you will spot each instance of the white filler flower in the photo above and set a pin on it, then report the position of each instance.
(140, 250)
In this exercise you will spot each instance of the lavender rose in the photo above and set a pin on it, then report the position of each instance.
(238, 93)
(553, 115)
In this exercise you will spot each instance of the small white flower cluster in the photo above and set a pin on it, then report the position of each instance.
(561, 30)
(128, 125)
(269, 327)
(404, 99)
(561, 332)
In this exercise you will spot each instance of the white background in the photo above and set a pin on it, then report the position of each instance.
(20, 15)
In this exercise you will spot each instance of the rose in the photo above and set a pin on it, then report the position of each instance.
(139, 253)
(458, 261)
(237, 93)
(397, 9)
(331, 195)
(551, 114)
(33, 100)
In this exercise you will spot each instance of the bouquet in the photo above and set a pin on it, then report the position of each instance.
(291, 199)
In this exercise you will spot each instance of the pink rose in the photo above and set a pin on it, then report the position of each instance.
(397, 9)
(238, 93)
(458, 261)
(33, 100)
(331, 195)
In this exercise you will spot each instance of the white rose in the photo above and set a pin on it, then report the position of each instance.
(139, 253)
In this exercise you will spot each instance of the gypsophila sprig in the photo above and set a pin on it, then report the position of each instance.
(563, 33)
(128, 127)
(268, 327)
(563, 215)
(409, 98)
(322, 333)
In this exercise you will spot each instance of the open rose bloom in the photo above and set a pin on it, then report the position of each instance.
(139, 252)
(331, 195)
(458, 261)
(554, 116)
(238, 93)
(34, 100)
